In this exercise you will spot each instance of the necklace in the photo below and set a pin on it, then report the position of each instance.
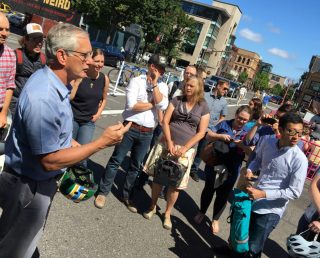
(91, 85)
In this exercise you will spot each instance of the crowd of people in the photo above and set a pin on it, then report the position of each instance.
(56, 99)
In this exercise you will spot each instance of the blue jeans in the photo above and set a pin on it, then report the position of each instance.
(261, 225)
(83, 134)
(138, 143)
(197, 160)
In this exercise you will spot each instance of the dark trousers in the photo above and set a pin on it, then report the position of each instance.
(25, 206)
(197, 160)
(222, 193)
(261, 225)
(137, 143)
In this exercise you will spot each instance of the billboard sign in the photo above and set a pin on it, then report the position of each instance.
(59, 10)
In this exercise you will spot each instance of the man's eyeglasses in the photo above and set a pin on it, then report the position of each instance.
(293, 132)
(225, 89)
(190, 74)
(83, 56)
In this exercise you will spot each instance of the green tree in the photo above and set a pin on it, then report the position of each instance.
(108, 14)
(229, 76)
(242, 78)
(261, 81)
(277, 90)
(164, 18)
(161, 18)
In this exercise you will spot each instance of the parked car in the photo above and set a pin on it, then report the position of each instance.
(276, 99)
(16, 19)
(171, 78)
(180, 68)
(112, 54)
(233, 90)
(211, 82)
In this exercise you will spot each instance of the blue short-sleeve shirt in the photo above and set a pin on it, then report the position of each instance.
(218, 106)
(42, 125)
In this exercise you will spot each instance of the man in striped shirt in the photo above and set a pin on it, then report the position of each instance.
(7, 71)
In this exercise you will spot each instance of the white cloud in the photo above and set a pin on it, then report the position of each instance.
(279, 52)
(250, 35)
(246, 18)
(273, 28)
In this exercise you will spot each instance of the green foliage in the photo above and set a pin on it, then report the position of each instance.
(229, 76)
(243, 77)
(163, 18)
(261, 81)
(108, 14)
(277, 90)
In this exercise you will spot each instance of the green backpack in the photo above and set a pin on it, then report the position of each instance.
(240, 221)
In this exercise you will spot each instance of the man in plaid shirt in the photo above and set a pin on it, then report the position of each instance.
(7, 70)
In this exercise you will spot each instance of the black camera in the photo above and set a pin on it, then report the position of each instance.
(269, 120)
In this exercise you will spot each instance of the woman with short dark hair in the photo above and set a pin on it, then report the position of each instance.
(230, 132)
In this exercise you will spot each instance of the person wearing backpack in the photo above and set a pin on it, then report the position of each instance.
(283, 169)
(29, 59)
(176, 87)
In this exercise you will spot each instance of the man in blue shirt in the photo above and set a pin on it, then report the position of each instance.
(283, 169)
(39, 147)
(218, 107)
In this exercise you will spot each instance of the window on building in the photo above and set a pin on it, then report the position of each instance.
(275, 78)
(245, 70)
(209, 42)
(315, 86)
(248, 61)
(239, 59)
(243, 60)
(235, 67)
(307, 98)
(189, 43)
(240, 69)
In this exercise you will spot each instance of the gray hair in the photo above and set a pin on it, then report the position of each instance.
(62, 36)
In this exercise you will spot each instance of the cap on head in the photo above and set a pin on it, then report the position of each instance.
(33, 30)
(156, 60)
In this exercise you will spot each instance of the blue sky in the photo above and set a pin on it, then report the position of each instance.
(285, 33)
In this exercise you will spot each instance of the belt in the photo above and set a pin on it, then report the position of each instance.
(140, 127)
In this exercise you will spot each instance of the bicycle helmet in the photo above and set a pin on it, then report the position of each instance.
(77, 184)
(298, 247)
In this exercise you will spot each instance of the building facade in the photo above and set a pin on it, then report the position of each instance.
(276, 79)
(216, 27)
(265, 67)
(310, 89)
(242, 60)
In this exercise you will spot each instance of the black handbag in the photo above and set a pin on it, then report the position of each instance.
(168, 172)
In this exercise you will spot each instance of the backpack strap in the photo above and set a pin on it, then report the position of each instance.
(19, 63)
(43, 59)
(174, 88)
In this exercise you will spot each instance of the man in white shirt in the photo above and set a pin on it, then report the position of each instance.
(145, 95)
(242, 94)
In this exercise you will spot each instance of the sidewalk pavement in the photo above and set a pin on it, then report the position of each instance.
(81, 230)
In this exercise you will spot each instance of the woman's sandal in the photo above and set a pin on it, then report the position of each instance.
(198, 218)
(215, 228)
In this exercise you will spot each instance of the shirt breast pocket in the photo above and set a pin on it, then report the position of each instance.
(278, 170)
